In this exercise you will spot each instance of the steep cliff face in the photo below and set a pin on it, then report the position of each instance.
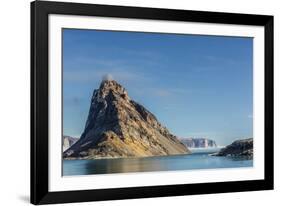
(198, 142)
(242, 147)
(120, 127)
(68, 141)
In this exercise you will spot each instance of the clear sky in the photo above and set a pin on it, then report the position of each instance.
(197, 86)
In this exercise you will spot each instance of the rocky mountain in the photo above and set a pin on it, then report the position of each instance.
(198, 142)
(68, 141)
(242, 147)
(117, 126)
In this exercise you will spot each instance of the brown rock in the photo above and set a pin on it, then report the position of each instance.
(120, 127)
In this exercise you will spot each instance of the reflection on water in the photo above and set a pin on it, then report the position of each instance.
(196, 160)
(123, 165)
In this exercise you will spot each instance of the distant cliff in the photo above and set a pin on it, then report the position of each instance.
(117, 126)
(239, 148)
(198, 142)
(68, 141)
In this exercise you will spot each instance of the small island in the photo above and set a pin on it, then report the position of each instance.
(239, 148)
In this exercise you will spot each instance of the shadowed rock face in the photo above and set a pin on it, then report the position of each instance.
(238, 148)
(120, 127)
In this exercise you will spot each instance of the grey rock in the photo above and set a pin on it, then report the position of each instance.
(68, 141)
(238, 148)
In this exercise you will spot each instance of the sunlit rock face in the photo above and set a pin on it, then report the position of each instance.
(198, 142)
(117, 126)
(68, 141)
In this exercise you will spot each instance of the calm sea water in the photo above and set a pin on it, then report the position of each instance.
(199, 159)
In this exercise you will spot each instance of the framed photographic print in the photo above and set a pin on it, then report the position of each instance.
(131, 102)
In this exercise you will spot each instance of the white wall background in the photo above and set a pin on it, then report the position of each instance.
(14, 101)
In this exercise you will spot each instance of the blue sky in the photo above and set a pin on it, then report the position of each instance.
(197, 86)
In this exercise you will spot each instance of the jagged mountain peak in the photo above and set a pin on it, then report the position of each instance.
(120, 127)
(110, 86)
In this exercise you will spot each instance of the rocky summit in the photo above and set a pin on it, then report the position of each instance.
(117, 126)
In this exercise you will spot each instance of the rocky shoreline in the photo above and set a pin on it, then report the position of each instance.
(239, 148)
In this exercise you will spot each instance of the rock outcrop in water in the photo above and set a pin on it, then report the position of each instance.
(117, 126)
(198, 142)
(68, 141)
(239, 148)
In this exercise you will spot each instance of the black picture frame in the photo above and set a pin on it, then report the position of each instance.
(39, 102)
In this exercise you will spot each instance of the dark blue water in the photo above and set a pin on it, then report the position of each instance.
(199, 159)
